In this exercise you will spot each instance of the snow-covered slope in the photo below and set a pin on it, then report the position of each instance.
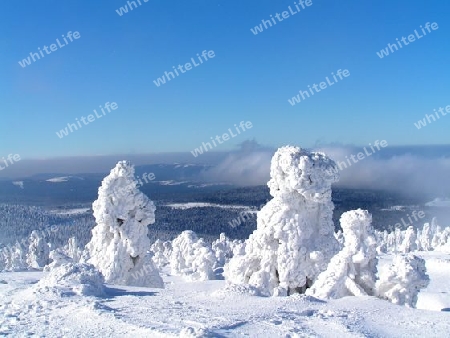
(209, 309)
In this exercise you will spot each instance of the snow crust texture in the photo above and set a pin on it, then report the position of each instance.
(294, 239)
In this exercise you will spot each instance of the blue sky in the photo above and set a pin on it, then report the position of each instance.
(250, 79)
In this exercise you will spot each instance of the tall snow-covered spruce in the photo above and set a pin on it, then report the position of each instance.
(294, 239)
(119, 243)
(38, 251)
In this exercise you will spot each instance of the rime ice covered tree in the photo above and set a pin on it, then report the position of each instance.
(161, 253)
(223, 249)
(38, 251)
(401, 282)
(352, 272)
(294, 239)
(192, 258)
(119, 243)
(409, 242)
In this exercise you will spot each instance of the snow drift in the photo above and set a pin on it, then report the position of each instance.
(73, 279)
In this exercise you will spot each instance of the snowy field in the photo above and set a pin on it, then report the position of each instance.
(293, 277)
(190, 205)
(208, 309)
(75, 211)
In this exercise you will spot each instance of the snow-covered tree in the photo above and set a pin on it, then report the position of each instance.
(382, 240)
(410, 241)
(426, 237)
(401, 282)
(58, 257)
(161, 253)
(223, 249)
(119, 243)
(3, 254)
(15, 257)
(436, 240)
(73, 251)
(351, 272)
(294, 239)
(192, 257)
(38, 251)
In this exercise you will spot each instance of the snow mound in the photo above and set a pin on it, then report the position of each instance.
(294, 239)
(73, 279)
(237, 289)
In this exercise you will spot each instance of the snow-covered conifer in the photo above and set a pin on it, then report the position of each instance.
(161, 253)
(223, 249)
(409, 242)
(38, 251)
(351, 272)
(192, 257)
(401, 282)
(294, 239)
(426, 238)
(16, 257)
(119, 243)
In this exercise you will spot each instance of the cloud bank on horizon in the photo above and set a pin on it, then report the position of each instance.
(409, 169)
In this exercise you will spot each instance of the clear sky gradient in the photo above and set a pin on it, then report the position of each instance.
(251, 77)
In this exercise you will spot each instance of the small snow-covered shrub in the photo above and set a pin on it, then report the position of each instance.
(192, 257)
(73, 279)
(352, 272)
(161, 253)
(14, 257)
(58, 257)
(401, 282)
(223, 249)
(294, 239)
(69, 253)
(119, 243)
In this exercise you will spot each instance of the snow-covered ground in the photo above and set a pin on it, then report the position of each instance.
(58, 179)
(18, 184)
(209, 309)
(439, 202)
(75, 211)
(190, 205)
